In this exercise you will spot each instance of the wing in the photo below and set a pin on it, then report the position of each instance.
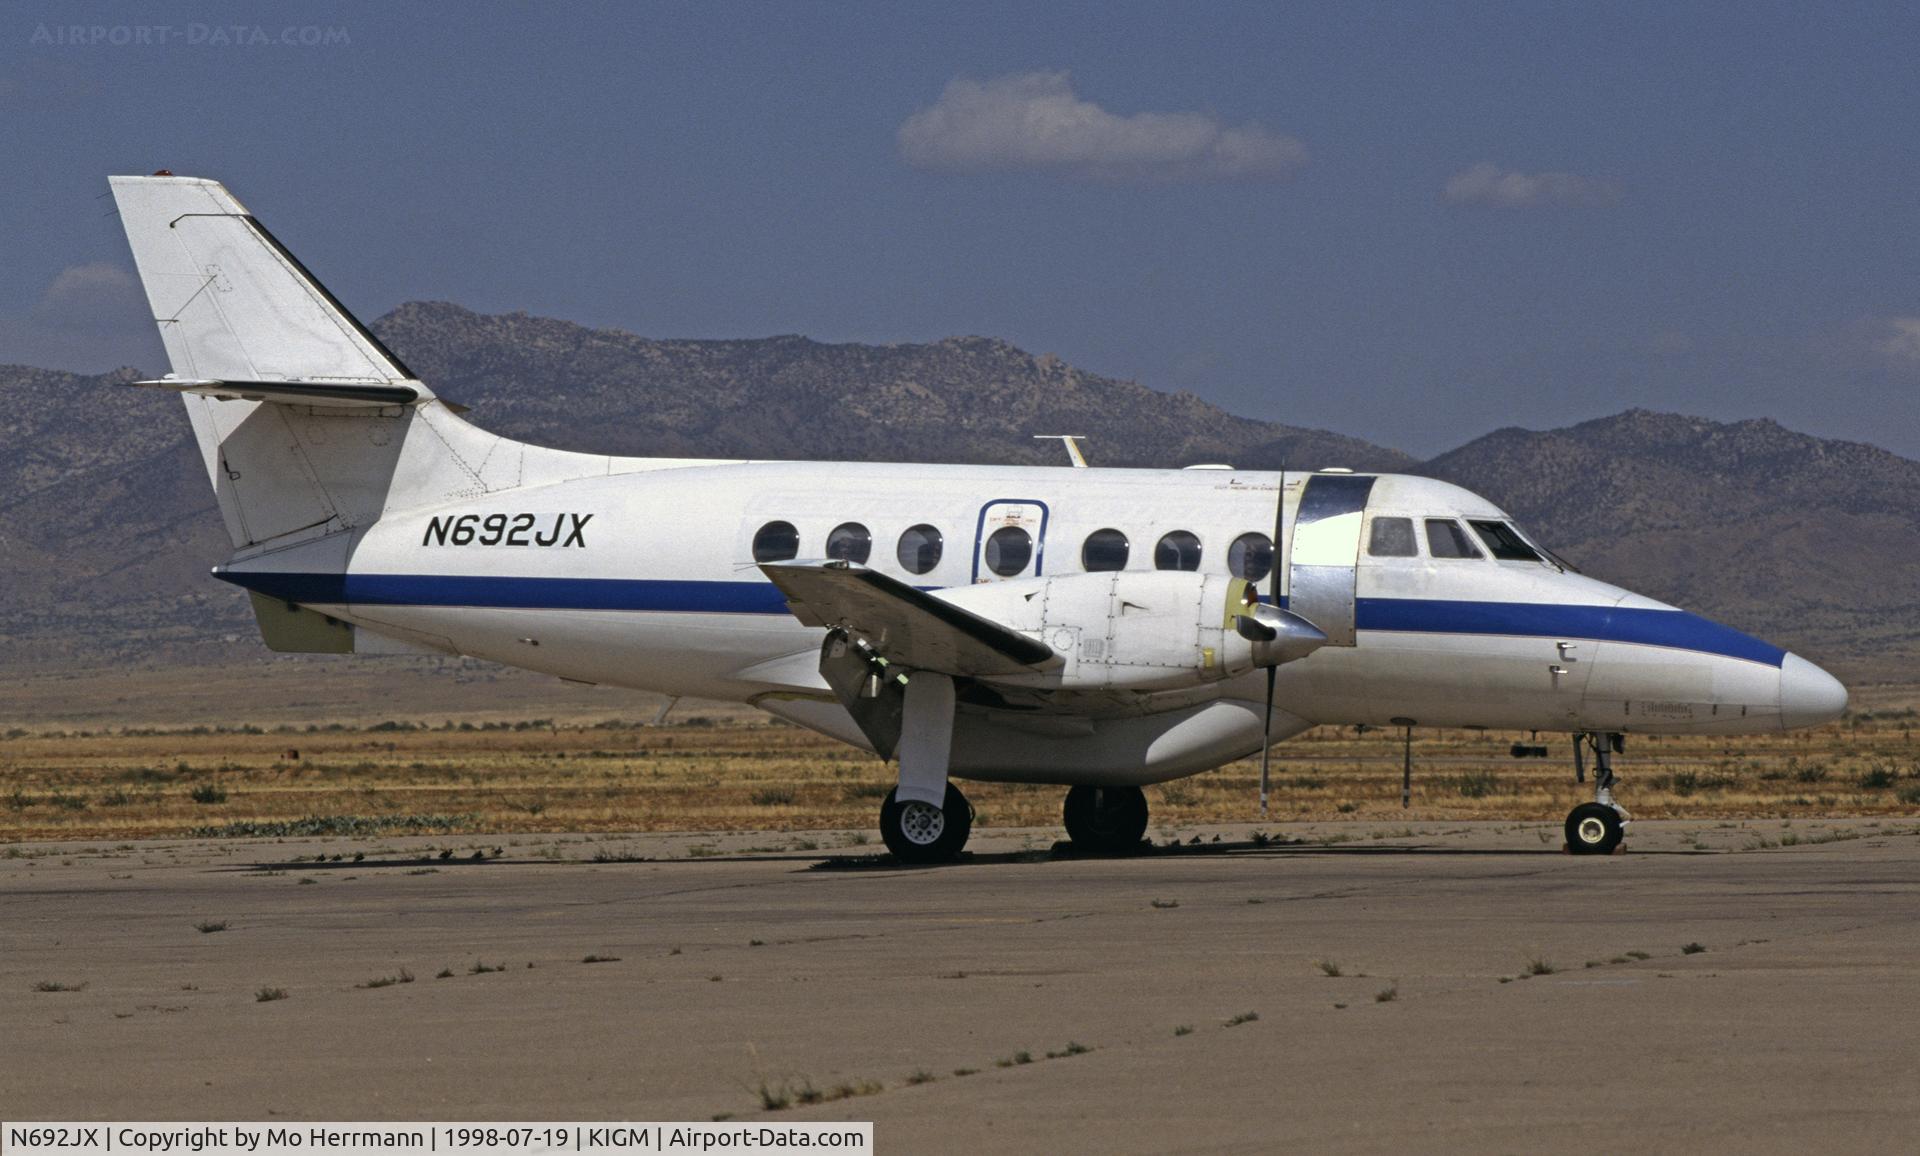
(904, 625)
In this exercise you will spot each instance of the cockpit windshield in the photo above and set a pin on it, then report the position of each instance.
(1504, 542)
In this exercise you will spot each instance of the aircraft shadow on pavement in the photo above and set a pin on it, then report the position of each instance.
(1060, 852)
(411, 862)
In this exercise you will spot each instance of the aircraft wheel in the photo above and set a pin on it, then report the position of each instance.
(1594, 829)
(1106, 820)
(919, 832)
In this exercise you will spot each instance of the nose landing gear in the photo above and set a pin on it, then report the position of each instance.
(1597, 828)
(918, 832)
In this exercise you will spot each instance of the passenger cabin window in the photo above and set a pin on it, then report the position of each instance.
(1104, 550)
(1008, 551)
(776, 542)
(1178, 550)
(1445, 539)
(919, 549)
(850, 542)
(1393, 538)
(1250, 557)
(1504, 542)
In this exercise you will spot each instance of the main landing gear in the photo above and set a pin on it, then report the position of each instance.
(1106, 820)
(1100, 821)
(1596, 828)
(918, 832)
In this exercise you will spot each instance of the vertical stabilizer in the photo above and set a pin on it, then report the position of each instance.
(308, 425)
(232, 304)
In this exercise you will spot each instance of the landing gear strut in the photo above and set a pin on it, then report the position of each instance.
(918, 832)
(1596, 828)
(1106, 820)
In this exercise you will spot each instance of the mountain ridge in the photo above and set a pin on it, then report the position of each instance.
(959, 396)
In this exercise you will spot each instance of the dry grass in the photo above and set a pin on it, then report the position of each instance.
(728, 772)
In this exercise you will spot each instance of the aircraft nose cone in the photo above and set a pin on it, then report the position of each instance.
(1809, 696)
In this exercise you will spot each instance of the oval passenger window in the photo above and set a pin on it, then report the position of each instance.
(1250, 557)
(919, 549)
(850, 542)
(776, 542)
(1178, 550)
(1009, 549)
(1104, 550)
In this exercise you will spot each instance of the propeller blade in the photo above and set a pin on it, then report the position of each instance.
(1266, 739)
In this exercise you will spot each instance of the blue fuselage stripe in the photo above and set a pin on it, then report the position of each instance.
(519, 593)
(1676, 629)
(1671, 628)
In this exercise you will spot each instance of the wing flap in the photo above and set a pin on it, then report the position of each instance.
(903, 624)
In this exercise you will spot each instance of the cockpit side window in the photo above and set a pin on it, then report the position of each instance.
(1392, 538)
(1503, 542)
(1445, 539)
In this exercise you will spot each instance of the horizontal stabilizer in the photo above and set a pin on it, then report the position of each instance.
(297, 392)
(902, 624)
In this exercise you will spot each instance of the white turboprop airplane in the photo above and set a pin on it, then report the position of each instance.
(1101, 629)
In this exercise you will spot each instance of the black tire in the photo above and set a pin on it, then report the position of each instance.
(1594, 829)
(1106, 820)
(916, 833)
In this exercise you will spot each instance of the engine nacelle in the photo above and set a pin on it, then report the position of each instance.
(1140, 630)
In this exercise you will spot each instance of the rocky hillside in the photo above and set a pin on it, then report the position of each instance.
(107, 525)
(1810, 543)
(965, 399)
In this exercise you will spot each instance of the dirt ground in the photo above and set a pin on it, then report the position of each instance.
(1720, 986)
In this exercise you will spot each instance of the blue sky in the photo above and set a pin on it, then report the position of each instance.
(1409, 223)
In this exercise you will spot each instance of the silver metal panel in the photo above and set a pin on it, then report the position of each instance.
(1321, 552)
(1323, 595)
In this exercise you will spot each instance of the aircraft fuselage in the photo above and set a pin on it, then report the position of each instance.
(648, 579)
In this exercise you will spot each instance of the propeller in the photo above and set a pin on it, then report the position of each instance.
(1266, 738)
(1278, 636)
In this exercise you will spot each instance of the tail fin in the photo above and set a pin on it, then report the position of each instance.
(307, 424)
(232, 304)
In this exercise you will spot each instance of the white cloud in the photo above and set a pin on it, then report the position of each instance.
(1896, 339)
(1033, 121)
(91, 317)
(97, 297)
(1488, 184)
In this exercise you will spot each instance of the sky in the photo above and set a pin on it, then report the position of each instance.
(1409, 223)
